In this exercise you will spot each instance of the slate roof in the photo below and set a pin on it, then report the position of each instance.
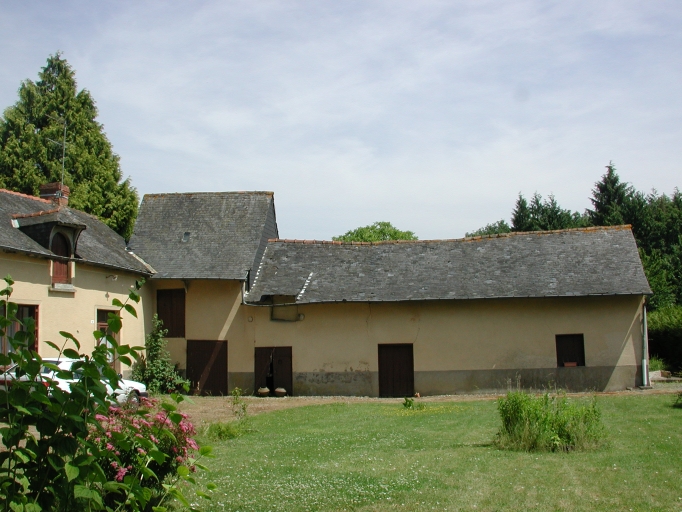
(97, 245)
(577, 262)
(225, 230)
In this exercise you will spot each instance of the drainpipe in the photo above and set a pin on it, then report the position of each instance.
(645, 348)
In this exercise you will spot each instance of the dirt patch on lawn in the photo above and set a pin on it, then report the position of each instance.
(207, 409)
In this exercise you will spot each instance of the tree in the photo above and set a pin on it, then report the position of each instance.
(521, 220)
(495, 228)
(610, 199)
(31, 137)
(377, 232)
(543, 215)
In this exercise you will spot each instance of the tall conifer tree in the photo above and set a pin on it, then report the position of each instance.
(610, 199)
(31, 133)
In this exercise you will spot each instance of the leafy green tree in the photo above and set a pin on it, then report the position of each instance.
(156, 370)
(31, 137)
(377, 232)
(495, 228)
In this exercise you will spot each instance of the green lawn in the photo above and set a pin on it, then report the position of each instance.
(378, 456)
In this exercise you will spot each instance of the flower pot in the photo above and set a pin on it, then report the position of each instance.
(571, 364)
(264, 391)
(280, 392)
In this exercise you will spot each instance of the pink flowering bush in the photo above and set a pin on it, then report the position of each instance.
(148, 443)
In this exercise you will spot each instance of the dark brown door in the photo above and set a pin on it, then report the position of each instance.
(273, 369)
(207, 367)
(60, 269)
(396, 370)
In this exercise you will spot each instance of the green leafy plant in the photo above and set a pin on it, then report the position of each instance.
(55, 456)
(656, 364)
(221, 431)
(155, 369)
(548, 423)
(239, 405)
(409, 404)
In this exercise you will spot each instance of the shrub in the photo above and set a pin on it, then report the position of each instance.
(52, 459)
(547, 423)
(129, 434)
(656, 364)
(156, 370)
(665, 335)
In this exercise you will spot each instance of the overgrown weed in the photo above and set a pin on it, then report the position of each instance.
(548, 423)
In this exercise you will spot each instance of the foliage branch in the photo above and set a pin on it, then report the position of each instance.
(377, 232)
(54, 456)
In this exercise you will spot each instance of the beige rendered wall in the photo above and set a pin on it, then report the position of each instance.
(470, 345)
(213, 311)
(73, 312)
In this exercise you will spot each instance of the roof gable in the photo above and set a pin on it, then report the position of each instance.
(579, 262)
(208, 235)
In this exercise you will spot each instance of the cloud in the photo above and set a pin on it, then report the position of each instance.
(432, 115)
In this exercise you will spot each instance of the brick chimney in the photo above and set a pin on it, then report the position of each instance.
(55, 192)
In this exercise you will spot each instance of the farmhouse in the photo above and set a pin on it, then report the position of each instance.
(205, 249)
(542, 309)
(244, 308)
(68, 267)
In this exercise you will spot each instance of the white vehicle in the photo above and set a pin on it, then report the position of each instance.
(129, 390)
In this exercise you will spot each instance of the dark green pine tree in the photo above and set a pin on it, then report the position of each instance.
(521, 218)
(31, 132)
(610, 199)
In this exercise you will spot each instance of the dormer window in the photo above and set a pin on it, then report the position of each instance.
(60, 269)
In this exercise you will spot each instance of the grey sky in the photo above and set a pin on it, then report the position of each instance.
(431, 115)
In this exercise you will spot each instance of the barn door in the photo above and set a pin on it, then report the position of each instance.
(273, 368)
(396, 370)
(207, 367)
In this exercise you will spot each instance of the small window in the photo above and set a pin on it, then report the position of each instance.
(570, 350)
(170, 306)
(60, 268)
(103, 327)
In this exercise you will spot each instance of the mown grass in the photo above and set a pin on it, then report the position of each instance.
(379, 456)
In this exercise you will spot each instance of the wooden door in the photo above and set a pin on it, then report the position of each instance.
(273, 369)
(396, 370)
(207, 366)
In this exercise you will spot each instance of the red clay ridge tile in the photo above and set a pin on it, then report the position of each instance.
(25, 195)
(36, 214)
(449, 240)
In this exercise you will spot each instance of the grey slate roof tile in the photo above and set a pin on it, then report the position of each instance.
(98, 244)
(580, 262)
(225, 232)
